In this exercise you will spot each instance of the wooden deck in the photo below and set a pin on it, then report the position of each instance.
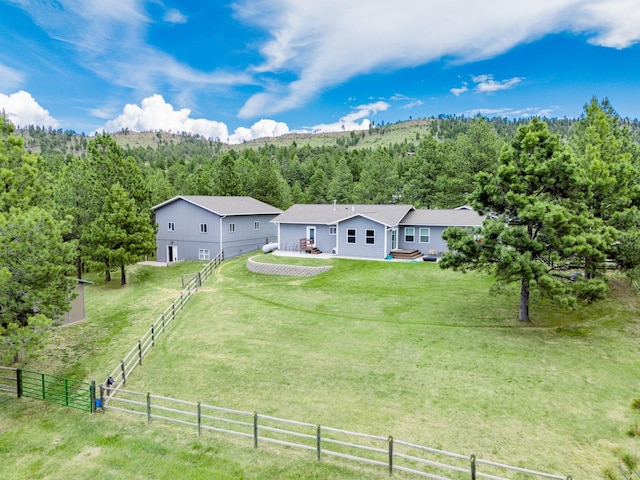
(406, 254)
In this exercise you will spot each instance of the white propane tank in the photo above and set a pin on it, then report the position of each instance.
(270, 247)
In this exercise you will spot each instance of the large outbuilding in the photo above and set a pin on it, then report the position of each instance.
(201, 227)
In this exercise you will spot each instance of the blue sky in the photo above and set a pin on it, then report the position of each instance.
(237, 70)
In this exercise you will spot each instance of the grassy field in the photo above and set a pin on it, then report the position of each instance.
(404, 349)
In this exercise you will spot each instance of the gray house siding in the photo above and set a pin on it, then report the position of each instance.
(245, 237)
(196, 232)
(361, 248)
(291, 233)
(435, 242)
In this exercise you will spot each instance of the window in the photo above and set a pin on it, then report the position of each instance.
(256, 225)
(232, 228)
(203, 254)
(370, 237)
(172, 227)
(351, 235)
(409, 234)
(203, 228)
(333, 230)
(425, 234)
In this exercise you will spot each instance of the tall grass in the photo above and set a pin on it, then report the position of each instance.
(403, 349)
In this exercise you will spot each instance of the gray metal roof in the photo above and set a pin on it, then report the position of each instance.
(444, 218)
(330, 214)
(224, 206)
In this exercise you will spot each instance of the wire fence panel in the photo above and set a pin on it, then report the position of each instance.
(58, 390)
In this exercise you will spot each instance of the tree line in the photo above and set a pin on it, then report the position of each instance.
(561, 198)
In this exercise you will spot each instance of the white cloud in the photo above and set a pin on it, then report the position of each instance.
(22, 110)
(326, 43)
(154, 114)
(174, 16)
(350, 121)
(261, 129)
(486, 83)
(459, 91)
(110, 39)
(10, 78)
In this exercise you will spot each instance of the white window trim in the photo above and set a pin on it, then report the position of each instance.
(428, 234)
(413, 229)
(171, 226)
(204, 254)
(355, 236)
(333, 230)
(204, 228)
(232, 228)
(366, 237)
(256, 225)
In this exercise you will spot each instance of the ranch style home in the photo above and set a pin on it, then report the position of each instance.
(201, 227)
(370, 231)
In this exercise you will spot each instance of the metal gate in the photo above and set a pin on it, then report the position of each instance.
(58, 390)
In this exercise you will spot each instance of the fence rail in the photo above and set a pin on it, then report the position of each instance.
(8, 380)
(134, 358)
(385, 452)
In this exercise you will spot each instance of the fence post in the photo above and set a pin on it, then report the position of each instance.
(102, 397)
(390, 455)
(148, 406)
(162, 322)
(66, 392)
(19, 382)
(199, 279)
(318, 442)
(199, 418)
(472, 461)
(255, 429)
(139, 352)
(153, 336)
(92, 391)
(124, 373)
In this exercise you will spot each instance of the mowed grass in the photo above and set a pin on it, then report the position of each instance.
(385, 348)
(409, 350)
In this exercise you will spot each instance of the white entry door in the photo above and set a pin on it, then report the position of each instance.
(394, 239)
(311, 235)
(172, 253)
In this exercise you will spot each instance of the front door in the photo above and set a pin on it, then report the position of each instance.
(311, 235)
(172, 253)
(394, 239)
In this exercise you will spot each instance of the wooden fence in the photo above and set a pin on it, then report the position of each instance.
(8, 380)
(134, 358)
(385, 452)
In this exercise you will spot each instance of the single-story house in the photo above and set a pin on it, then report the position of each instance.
(369, 231)
(200, 227)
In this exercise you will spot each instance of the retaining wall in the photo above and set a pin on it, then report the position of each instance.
(279, 269)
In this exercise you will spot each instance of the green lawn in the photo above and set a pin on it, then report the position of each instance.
(405, 349)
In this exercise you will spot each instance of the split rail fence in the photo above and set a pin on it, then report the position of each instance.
(385, 452)
(136, 354)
